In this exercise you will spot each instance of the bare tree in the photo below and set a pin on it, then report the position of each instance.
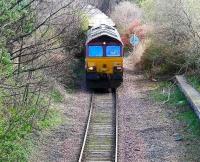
(37, 46)
(124, 14)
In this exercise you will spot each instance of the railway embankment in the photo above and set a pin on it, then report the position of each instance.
(155, 121)
(192, 95)
(62, 143)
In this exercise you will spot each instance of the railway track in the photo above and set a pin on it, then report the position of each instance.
(100, 141)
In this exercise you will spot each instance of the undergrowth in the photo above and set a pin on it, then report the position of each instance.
(195, 81)
(17, 130)
(56, 96)
(161, 60)
(52, 119)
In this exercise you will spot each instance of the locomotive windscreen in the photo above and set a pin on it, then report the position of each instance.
(95, 51)
(113, 51)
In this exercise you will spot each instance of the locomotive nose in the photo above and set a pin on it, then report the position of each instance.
(104, 68)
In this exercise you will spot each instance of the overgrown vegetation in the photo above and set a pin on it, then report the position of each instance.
(56, 96)
(38, 40)
(174, 38)
(194, 80)
(159, 59)
(169, 31)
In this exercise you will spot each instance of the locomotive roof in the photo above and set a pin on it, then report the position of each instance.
(97, 17)
(102, 30)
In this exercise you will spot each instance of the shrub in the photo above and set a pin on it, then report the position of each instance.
(35, 37)
(159, 59)
(175, 35)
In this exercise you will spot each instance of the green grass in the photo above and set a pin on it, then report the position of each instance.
(178, 103)
(52, 119)
(176, 98)
(192, 122)
(194, 80)
(56, 96)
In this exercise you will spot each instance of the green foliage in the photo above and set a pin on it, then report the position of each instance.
(192, 122)
(15, 139)
(12, 135)
(176, 96)
(6, 66)
(56, 96)
(52, 119)
(24, 95)
(19, 120)
(195, 81)
(11, 15)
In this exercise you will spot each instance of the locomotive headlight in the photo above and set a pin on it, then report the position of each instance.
(118, 68)
(92, 68)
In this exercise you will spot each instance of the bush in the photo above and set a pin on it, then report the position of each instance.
(159, 59)
(175, 35)
(15, 138)
(35, 37)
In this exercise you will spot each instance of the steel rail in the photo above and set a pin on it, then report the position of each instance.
(87, 128)
(115, 124)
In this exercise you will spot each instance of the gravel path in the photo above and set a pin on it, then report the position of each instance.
(145, 131)
(62, 144)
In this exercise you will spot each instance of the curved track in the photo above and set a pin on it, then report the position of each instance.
(100, 141)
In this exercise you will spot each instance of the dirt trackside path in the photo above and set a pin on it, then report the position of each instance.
(146, 133)
(62, 143)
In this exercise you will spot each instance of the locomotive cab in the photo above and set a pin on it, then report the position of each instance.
(104, 54)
